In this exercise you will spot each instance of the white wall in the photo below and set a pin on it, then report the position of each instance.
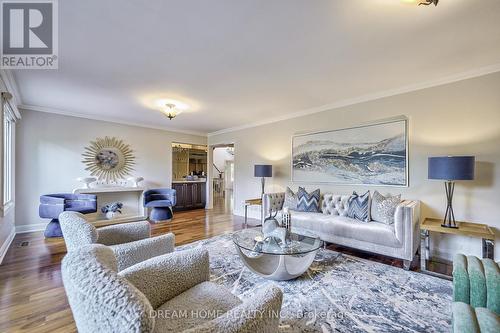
(49, 149)
(453, 119)
(219, 159)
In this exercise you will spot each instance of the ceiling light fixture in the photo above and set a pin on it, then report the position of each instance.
(171, 112)
(429, 2)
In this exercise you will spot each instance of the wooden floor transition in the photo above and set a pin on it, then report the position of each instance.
(32, 295)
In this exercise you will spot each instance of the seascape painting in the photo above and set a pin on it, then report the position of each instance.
(366, 155)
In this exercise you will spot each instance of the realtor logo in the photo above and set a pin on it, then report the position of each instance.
(29, 34)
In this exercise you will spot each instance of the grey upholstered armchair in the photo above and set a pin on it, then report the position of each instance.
(169, 293)
(131, 242)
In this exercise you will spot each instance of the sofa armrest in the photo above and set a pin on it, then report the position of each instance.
(76, 230)
(131, 253)
(261, 313)
(51, 200)
(164, 277)
(123, 233)
(272, 202)
(407, 226)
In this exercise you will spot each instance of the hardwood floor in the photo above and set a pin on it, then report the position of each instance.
(32, 294)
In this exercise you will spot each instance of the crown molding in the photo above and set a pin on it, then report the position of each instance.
(369, 97)
(106, 119)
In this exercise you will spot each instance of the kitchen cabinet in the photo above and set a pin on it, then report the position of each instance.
(190, 195)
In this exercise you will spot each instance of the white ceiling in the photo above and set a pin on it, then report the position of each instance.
(238, 62)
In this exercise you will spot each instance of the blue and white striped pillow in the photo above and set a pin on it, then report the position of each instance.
(308, 202)
(359, 207)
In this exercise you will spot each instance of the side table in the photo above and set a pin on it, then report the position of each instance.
(464, 228)
(252, 202)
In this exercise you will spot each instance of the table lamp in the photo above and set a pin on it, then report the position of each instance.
(450, 169)
(263, 171)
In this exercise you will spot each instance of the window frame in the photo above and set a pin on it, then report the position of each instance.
(8, 118)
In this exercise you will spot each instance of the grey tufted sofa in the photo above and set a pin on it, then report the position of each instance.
(399, 240)
(131, 242)
(169, 293)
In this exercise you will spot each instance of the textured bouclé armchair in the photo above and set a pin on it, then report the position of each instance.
(476, 295)
(169, 293)
(130, 242)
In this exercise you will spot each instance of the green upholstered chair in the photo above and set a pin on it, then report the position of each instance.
(476, 295)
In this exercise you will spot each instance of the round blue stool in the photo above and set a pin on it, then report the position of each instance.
(161, 201)
(161, 214)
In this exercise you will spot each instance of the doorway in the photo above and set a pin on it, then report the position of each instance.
(189, 175)
(223, 177)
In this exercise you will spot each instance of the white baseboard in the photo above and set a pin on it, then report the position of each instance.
(20, 229)
(6, 244)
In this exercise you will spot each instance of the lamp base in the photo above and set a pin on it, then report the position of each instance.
(449, 216)
(263, 184)
(449, 226)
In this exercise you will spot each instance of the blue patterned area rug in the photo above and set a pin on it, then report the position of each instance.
(342, 293)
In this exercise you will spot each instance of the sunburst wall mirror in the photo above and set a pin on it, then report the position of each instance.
(108, 159)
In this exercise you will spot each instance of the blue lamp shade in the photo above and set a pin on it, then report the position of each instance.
(263, 170)
(451, 167)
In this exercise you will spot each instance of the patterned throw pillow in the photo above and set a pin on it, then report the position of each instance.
(308, 202)
(290, 199)
(383, 207)
(359, 206)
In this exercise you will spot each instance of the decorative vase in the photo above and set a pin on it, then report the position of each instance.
(286, 219)
(135, 181)
(271, 230)
(86, 181)
(111, 215)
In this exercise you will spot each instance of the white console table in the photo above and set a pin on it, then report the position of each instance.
(131, 197)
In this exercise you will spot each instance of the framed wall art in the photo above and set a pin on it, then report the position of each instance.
(108, 159)
(374, 154)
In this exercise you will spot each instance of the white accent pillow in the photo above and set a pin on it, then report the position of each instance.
(384, 207)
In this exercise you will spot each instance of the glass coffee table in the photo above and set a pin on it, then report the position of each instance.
(273, 260)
